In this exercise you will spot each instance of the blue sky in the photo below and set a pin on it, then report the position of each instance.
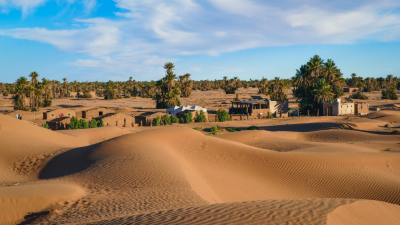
(117, 39)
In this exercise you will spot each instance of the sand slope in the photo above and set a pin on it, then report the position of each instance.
(171, 175)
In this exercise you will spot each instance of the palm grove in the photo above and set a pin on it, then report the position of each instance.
(315, 82)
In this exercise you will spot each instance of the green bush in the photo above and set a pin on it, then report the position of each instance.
(232, 129)
(223, 115)
(84, 124)
(217, 132)
(214, 128)
(100, 124)
(75, 124)
(212, 134)
(271, 116)
(252, 128)
(390, 94)
(181, 120)
(174, 119)
(200, 117)
(46, 126)
(359, 95)
(187, 118)
(167, 119)
(157, 121)
(196, 128)
(93, 123)
(46, 102)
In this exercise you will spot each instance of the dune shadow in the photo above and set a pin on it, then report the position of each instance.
(306, 127)
(67, 163)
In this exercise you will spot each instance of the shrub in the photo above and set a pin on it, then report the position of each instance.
(359, 95)
(84, 124)
(75, 124)
(93, 123)
(212, 134)
(217, 132)
(167, 119)
(390, 94)
(100, 124)
(214, 128)
(271, 116)
(232, 129)
(157, 121)
(196, 128)
(187, 118)
(223, 115)
(200, 117)
(46, 126)
(252, 128)
(47, 103)
(174, 119)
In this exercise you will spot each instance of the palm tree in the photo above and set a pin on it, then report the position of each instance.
(316, 67)
(322, 93)
(169, 66)
(34, 79)
(330, 70)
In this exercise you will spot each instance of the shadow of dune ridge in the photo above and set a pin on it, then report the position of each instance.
(70, 162)
(308, 127)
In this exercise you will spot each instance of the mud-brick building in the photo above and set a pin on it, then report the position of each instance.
(145, 119)
(57, 113)
(61, 123)
(26, 115)
(361, 108)
(262, 108)
(117, 119)
(351, 90)
(341, 107)
(96, 112)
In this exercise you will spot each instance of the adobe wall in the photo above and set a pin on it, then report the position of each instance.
(95, 112)
(335, 108)
(362, 109)
(55, 114)
(346, 109)
(119, 120)
(351, 90)
(26, 115)
(277, 106)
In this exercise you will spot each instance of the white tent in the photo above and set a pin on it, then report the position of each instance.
(175, 109)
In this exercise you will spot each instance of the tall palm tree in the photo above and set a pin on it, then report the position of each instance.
(322, 93)
(169, 66)
(34, 76)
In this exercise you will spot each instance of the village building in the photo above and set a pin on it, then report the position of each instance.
(261, 108)
(145, 119)
(176, 109)
(351, 90)
(340, 107)
(61, 123)
(361, 108)
(57, 113)
(96, 112)
(26, 115)
(117, 119)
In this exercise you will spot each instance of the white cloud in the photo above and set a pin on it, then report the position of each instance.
(26, 6)
(148, 33)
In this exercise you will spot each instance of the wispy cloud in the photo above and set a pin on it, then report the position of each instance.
(148, 33)
(26, 6)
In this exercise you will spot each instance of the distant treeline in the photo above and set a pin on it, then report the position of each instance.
(315, 82)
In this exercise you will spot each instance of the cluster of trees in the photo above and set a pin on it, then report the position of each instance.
(83, 124)
(187, 118)
(314, 82)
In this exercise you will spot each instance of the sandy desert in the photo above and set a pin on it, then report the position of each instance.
(300, 170)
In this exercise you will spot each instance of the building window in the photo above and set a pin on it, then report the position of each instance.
(69, 114)
(52, 114)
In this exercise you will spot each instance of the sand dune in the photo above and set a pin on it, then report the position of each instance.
(365, 213)
(177, 175)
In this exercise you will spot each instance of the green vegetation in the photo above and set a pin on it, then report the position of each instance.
(230, 86)
(83, 124)
(223, 115)
(157, 121)
(46, 126)
(232, 129)
(167, 119)
(196, 128)
(174, 119)
(359, 95)
(390, 94)
(187, 118)
(252, 128)
(217, 132)
(200, 117)
(214, 128)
